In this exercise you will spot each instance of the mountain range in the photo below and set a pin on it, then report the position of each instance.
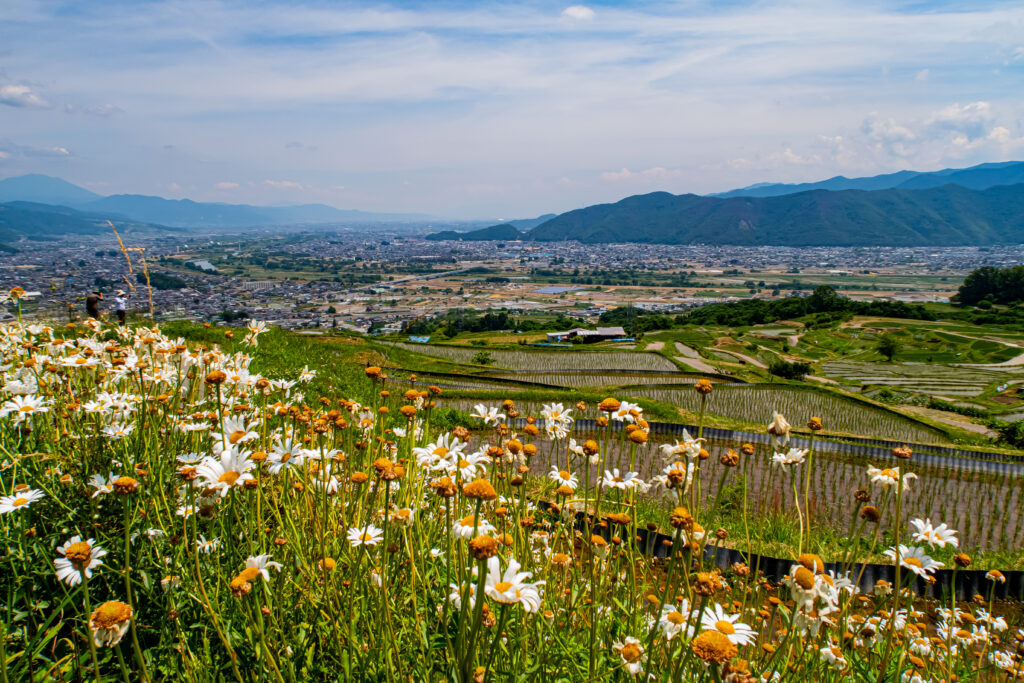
(182, 213)
(975, 206)
(979, 205)
(979, 177)
(509, 230)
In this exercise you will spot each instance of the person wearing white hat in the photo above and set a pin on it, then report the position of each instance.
(121, 306)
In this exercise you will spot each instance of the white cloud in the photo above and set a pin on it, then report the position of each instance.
(655, 173)
(282, 184)
(226, 185)
(578, 12)
(22, 96)
(4, 155)
(923, 75)
(94, 110)
(973, 119)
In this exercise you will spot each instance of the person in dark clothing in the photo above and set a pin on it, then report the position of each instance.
(92, 304)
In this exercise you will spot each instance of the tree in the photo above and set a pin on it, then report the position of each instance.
(483, 358)
(889, 345)
(787, 370)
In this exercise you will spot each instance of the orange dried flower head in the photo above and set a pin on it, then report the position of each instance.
(681, 519)
(125, 485)
(480, 489)
(443, 487)
(812, 562)
(713, 646)
(483, 547)
(216, 377)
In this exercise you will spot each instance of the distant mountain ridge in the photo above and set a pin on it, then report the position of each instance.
(46, 190)
(507, 231)
(980, 177)
(949, 215)
(34, 221)
(942, 216)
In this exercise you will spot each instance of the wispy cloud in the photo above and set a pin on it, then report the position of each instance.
(578, 12)
(22, 96)
(282, 184)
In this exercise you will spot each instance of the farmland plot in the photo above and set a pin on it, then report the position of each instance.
(757, 402)
(923, 378)
(553, 361)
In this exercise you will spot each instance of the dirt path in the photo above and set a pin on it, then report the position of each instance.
(793, 339)
(655, 346)
(692, 358)
(940, 416)
(1016, 360)
(823, 380)
(749, 359)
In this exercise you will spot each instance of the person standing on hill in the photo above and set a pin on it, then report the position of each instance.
(121, 306)
(92, 304)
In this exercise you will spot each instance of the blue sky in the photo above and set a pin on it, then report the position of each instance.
(499, 110)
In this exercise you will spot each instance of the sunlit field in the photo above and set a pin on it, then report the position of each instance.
(236, 505)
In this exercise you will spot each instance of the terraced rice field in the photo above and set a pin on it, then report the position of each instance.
(469, 382)
(552, 361)
(934, 380)
(952, 495)
(579, 380)
(756, 403)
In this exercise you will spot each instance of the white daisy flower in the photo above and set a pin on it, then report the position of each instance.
(78, 557)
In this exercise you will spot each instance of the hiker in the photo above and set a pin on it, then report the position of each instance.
(121, 306)
(92, 304)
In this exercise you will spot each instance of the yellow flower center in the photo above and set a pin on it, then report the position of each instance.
(110, 614)
(677, 618)
(564, 475)
(725, 627)
(463, 464)
(630, 652)
(913, 562)
(79, 554)
(366, 537)
(286, 457)
(236, 436)
(26, 409)
(441, 451)
(249, 573)
(502, 587)
(229, 477)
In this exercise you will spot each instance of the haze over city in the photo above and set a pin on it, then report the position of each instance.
(493, 110)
